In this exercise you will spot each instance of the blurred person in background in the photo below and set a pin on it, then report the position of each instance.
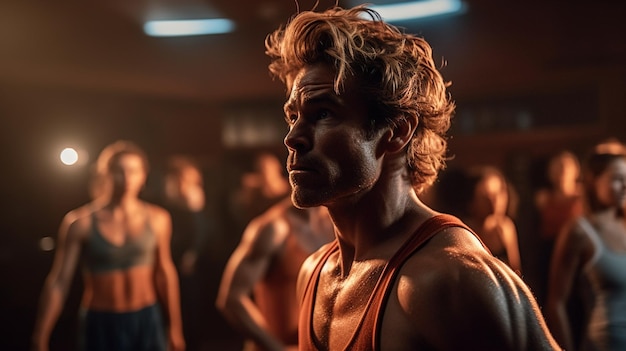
(260, 189)
(257, 294)
(590, 252)
(486, 211)
(130, 299)
(561, 200)
(185, 200)
(555, 204)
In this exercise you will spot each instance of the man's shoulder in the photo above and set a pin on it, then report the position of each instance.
(277, 212)
(453, 253)
(270, 228)
(455, 286)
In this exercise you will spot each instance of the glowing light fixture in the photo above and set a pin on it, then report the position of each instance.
(69, 156)
(418, 9)
(172, 28)
(46, 243)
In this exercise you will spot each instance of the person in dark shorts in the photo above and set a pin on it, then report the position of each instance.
(128, 274)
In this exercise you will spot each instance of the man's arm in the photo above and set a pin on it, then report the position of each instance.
(166, 278)
(58, 281)
(247, 265)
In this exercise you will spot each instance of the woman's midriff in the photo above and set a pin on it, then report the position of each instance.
(120, 290)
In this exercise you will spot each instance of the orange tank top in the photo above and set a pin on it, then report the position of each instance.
(366, 336)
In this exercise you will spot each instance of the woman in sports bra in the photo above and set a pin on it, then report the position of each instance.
(130, 283)
(593, 247)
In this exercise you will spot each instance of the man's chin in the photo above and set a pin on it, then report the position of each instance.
(306, 199)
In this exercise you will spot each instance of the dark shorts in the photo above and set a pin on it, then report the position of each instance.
(141, 330)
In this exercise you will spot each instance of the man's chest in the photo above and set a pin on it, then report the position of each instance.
(342, 305)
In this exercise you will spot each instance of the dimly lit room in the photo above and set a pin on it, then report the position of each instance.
(529, 79)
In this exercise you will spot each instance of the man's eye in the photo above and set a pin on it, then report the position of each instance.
(291, 118)
(323, 114)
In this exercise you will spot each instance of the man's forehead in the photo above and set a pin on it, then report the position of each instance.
(310, 80)
(313, 75)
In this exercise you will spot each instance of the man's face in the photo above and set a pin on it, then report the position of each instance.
(330, 157)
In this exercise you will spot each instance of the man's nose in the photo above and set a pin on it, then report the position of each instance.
(299, 136)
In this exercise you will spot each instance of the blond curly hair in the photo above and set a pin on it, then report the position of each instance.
(396, 71)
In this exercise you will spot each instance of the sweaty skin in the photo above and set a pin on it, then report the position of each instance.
(452, 294)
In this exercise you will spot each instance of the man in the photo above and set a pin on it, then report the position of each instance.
(367, 114)
(257, 294)
(130, 282)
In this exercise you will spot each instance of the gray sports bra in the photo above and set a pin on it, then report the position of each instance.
(100, 255)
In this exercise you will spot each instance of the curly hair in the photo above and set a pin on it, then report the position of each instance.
(396, 71)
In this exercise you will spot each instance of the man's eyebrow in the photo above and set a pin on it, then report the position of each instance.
(323, 98)
(288, 106)
(313, 99)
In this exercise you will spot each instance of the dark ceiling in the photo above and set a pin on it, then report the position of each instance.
(494, 46)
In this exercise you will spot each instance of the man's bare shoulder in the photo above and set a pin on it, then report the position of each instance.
(268, 230)
(271, 217)
(451, 253)
(455, 270)
(452, 283)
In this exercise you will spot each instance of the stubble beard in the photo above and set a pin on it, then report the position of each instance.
(304, 197)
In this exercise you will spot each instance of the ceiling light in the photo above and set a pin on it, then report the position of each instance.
(172, 28)
(418, 9)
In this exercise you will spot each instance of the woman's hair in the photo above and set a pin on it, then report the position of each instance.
(111, 154)
(395, 70)
(557, 163)
(100, 185)
(596, 163)
(476, 174)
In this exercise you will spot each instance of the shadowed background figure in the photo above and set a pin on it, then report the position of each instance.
(589, 259)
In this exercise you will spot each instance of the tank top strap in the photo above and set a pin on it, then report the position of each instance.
(147, 214)
(598, 244)
(306, 339)
(366, 334)
(372, 319)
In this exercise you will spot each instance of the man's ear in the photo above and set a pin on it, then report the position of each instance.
(401, 134)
